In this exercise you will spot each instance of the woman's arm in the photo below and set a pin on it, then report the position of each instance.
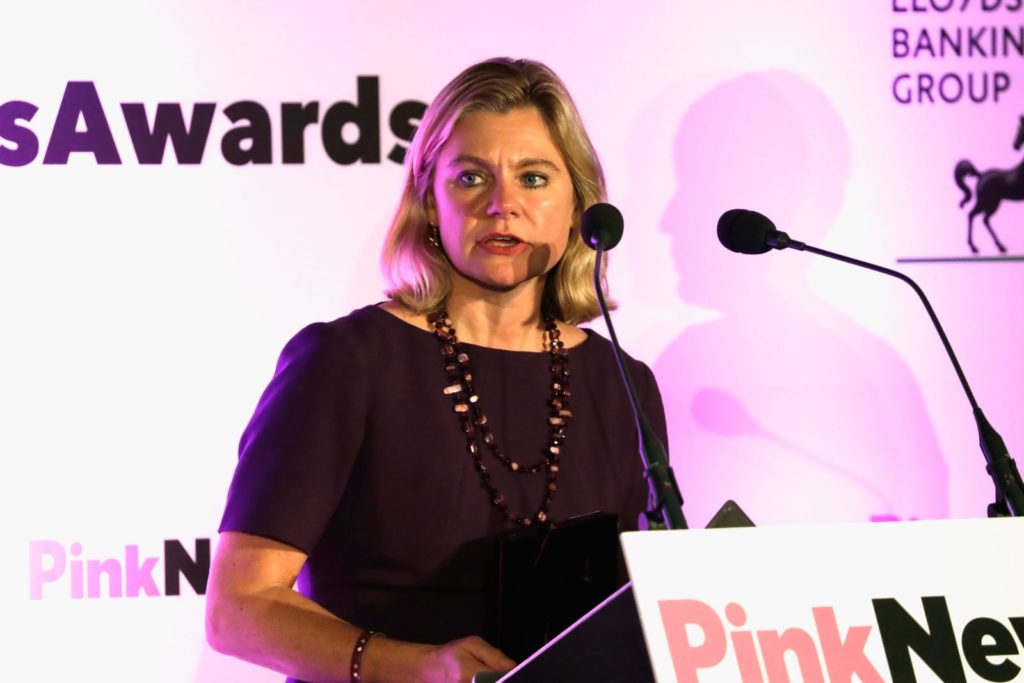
(253, 613)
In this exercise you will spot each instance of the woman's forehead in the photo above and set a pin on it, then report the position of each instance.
(514, 135)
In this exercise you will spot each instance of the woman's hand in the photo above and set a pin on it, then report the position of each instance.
(454, 662)
(461, 659)
(253, 614)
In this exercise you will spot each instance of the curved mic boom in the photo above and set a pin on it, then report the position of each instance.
(601, 229)
(749, 232)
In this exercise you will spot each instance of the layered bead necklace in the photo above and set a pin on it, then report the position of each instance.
(473, 421)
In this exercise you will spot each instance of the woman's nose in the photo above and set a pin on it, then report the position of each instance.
(504, 199)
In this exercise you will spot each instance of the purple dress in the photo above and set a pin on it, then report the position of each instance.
(355, 457)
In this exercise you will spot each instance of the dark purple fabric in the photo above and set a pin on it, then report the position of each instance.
(355, 457)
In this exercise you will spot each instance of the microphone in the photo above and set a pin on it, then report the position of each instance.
(601, 225)
(601, 229)
(749, 232)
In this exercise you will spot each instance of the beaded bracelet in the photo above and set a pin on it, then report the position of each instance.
(356, 669)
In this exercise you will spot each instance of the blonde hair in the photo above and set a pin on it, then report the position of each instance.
(418, 274)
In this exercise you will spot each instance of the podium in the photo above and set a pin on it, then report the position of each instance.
(605, 646)
(896, 601)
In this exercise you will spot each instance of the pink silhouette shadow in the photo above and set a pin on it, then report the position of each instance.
(782, 403)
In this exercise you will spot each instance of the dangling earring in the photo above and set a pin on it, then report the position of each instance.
(434, 236)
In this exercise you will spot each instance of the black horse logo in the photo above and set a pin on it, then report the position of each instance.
(993, 186)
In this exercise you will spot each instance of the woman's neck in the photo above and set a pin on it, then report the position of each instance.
(509, 320)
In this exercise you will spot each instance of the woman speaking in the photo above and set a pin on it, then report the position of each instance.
(467, 404)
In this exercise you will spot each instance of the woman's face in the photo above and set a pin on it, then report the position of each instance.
(503, 199)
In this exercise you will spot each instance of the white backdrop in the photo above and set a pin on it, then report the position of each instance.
(145, 304)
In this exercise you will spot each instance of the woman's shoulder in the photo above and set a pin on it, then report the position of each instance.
(379, 318)
(400, 311)
(572, 335)
(363, 330)
(599, 349)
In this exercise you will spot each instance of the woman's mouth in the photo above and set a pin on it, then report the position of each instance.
(502, 244)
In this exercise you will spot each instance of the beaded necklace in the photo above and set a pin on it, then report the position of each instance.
(473, 421)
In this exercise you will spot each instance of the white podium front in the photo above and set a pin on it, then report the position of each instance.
(902, 602)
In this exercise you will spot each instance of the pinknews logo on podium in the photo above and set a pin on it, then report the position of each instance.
(988, 645)
(350, 132)
(59, 571)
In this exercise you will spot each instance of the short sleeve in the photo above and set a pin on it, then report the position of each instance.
(299, 448)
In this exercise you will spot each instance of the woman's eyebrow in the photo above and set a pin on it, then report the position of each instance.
(538, 161)
(529, 161)
(468, 159)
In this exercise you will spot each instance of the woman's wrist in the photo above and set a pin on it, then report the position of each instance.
(387, 660)
(355, 669)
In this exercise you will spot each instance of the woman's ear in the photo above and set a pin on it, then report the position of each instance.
(431, 208)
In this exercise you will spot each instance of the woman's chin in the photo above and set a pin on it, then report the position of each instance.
(503, 282)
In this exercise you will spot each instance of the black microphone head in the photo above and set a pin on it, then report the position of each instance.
(745, 231)
(601, 226)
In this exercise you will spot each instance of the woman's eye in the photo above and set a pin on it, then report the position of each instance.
(534, 180)
(469, 178)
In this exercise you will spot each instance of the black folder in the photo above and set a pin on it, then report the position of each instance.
(606, 643)
(544, 578)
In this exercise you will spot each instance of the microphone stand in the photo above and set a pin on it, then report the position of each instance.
(1009, 494)
(668, 511)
